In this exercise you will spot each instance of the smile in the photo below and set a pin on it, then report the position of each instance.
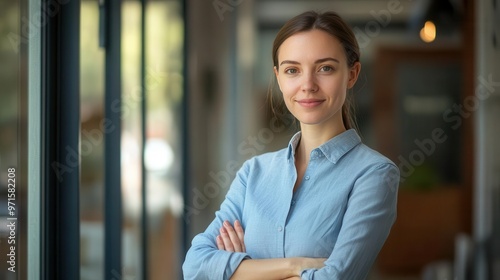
(310, 103)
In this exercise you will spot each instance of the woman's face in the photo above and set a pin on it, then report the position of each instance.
(313, 76)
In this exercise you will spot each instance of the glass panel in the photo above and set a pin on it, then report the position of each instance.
(427, 91)
(12, 142)
(164, 50)
(164, 90)
(92, 144)
(131, 139)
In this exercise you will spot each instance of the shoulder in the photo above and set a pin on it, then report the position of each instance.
(372, 164)
(368, 156)
(367, 162)
(266, 160)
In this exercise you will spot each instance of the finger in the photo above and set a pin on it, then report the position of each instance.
(241, 234)
(233, 236)
(228, 245)
(220, 243)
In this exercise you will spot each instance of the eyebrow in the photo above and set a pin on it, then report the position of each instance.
(321, 60)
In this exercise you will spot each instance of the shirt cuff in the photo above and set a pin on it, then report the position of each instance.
(229, 262)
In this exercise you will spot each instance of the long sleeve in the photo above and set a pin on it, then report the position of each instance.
(204, 260)
(370, 214)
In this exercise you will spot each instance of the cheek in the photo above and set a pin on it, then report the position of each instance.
(287, 92)
(338, 85)
(288, 87)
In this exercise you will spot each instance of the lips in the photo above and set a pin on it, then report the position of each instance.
(310, 103)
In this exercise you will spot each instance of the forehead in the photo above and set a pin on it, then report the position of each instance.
(312, 45)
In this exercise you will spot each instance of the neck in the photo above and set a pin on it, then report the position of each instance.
(314, 136)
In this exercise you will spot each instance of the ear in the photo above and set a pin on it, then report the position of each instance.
(353, 74)
(276, 73)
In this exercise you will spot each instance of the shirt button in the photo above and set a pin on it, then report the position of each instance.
(280, 228)
(307, 177)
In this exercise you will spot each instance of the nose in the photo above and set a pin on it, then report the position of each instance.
(309, 83)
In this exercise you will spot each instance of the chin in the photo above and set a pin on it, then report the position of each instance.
(316, 119)
(310, 121)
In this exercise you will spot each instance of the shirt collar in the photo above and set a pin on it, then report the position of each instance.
(332, 149)
(292, 145)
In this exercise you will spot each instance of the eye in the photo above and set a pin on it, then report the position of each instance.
(326, 68)
(291, 71)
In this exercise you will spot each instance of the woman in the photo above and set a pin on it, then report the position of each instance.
(320, 208)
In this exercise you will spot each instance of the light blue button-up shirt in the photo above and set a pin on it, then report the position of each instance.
(343, 210)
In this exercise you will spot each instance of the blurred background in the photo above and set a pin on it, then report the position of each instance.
(191, 82)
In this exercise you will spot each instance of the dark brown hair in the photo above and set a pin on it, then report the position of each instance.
(333, 24)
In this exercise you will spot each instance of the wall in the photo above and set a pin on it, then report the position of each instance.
(487, 132)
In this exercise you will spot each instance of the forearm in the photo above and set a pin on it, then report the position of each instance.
(267, 269)
(232, 239)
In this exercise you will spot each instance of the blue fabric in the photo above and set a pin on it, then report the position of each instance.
(343, 210)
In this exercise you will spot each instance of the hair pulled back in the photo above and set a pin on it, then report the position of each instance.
(333, 24)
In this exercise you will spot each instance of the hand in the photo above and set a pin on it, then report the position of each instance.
(231, 239)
